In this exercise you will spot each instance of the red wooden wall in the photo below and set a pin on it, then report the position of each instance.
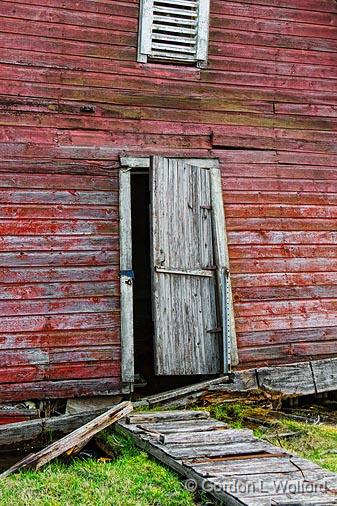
(266, 106)
(59, 301)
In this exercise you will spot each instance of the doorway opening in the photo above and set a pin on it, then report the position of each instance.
(146, 381)
(175, 293)
(142, 301)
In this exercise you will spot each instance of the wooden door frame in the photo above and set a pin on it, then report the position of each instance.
(223, 266)
(127, 163)
(126, 283)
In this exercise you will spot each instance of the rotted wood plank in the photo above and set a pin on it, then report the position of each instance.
(57, 306)
(86, 6)
(325, 374)
(181, 427)
(246, 467)
(162, 416)
(57, 212)
(284, 10)
(58, 182)
(237, 474)
(207, 437)
(290, 379)
(74, 440)
(318, 335)
(59, 355)
(169, 396)
(57, 290)
(76, 321)
(312, 6)
(57, 243)
(114, 20)
(221, 451)
(108, 336)
(20, 432)
(57, 274)
(22, 373)
(289, 501)
(38, 197)
(291, 353)
(59, 227)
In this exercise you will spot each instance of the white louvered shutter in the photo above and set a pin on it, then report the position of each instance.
(174, 30)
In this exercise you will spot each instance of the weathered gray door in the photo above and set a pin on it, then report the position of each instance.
(187, 338)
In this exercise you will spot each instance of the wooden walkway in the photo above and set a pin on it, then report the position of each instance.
(231, 465)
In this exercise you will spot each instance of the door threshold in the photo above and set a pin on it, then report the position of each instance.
(182, 396)
(140, 381)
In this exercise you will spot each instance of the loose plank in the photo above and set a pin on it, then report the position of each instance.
(75, 439)
(161, 416)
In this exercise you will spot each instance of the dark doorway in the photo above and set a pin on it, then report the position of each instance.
(142, 294)
(143, 326)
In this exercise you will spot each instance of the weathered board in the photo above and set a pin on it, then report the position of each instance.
(184, 276)
(59, 295)
(232, 465)
(71, 443)
(73, 98)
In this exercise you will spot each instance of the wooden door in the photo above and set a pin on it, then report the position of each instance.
(187, 339)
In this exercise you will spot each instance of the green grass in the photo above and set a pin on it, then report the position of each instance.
(133, 479)
(317, 443)
(233, 414)
(314, 442)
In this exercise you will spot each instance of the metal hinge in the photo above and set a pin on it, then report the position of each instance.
(127, 274)
(216, 330)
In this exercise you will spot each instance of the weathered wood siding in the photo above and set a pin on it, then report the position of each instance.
(270, 89)
(59, 299)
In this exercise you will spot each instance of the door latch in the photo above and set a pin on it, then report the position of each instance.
(130, 274)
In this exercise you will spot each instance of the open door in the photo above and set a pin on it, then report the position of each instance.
(187, 307)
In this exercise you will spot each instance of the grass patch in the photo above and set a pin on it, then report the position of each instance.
(317, 443)
(233, 414)
(133, 479)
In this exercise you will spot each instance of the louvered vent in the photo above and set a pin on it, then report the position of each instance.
(174, 30)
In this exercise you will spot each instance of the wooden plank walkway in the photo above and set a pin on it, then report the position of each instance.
(232, 465)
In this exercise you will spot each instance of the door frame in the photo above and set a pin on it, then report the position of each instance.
(127, 164)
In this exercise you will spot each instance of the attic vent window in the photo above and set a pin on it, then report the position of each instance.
(174, 30)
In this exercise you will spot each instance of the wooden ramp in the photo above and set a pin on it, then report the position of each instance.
(231, 465)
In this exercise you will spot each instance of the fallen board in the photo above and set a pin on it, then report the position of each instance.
(32, 430)
(181, 395)
(73, 442)
(232, 465)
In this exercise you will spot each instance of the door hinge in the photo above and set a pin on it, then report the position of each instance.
(127, 274)
(216, 330)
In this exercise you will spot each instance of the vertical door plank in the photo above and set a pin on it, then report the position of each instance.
(184, 308)
(126, 283)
